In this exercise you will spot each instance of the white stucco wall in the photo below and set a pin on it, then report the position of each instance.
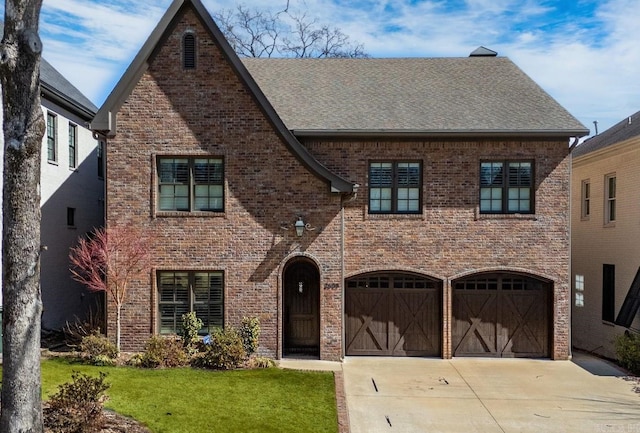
(63, 187)
(595, 243)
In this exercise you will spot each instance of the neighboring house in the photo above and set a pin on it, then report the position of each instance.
(400, 207)
(605, 237)
(72, 194)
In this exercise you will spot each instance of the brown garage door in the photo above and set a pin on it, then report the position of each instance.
(501, 315)
(393, 315)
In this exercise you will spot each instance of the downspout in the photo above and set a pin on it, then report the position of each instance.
(570, 281)
(574, 144)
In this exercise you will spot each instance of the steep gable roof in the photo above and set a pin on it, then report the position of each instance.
(475, 95)
(621, 131)
(105, 120)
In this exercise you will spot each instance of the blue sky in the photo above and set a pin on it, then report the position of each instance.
(585, 53)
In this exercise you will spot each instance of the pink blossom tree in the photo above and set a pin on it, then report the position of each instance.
(108, 261)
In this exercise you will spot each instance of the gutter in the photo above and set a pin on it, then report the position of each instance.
(61, 99)
(440, 133)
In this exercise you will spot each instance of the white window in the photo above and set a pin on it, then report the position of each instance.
(586, 199)
(610, 199)
(579, 286)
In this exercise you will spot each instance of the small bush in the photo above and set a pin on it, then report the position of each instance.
(261, 362)
(250, 333)
(98, 350)
(222, 351)
(77, 406)
(628, 351)
(161, 352)
(191, 325)
(79, 328)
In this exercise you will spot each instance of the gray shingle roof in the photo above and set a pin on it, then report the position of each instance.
(621, 131)
(57, 87)
(53, 81)
(420, 95)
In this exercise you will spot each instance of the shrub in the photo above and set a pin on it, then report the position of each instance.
(98, 350)
(250, 333)
(261, 362)
(191, 325)
(77, 406)
(628, 351)
(223, 350)
(162, 352)
(75, 331)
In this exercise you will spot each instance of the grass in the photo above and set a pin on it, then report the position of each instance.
(192, 401)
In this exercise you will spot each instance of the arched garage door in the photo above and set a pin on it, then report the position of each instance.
(501, 315)
(393, 314)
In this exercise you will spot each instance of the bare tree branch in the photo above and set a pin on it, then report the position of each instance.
(109, 261)
(257, 33)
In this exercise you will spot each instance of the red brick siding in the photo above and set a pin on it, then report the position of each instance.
(450, 238)
(208, 111)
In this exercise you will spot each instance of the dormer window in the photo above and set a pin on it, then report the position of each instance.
(189, 51)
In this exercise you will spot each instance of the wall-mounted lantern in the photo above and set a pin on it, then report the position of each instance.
(299, 225)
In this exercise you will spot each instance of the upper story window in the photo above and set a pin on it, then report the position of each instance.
(610, 199)
(506, 187)
(190, 184)
(585, 199)
(100, 157)
(52, 145)
(73, 146)
(189, 51)
(395, 187)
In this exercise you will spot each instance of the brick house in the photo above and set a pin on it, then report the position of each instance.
(605, 237)
(400, 207)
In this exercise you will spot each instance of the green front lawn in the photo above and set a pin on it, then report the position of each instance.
(192, 401)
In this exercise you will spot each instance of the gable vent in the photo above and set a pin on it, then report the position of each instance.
(483, 52)
(189, 51)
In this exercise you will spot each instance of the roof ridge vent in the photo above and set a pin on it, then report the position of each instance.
(483, 52)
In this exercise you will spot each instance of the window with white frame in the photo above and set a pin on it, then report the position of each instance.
(190, 184)
(73, 145)
(585, 199)
(610, 199)
(52, 144)
(579, 290)
(180, 292)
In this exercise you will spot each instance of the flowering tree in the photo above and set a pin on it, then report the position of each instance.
(108, 261)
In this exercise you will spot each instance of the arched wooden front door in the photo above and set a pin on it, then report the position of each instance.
(301, 309)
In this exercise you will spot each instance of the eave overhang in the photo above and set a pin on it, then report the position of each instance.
(435, 133)
(50, 93)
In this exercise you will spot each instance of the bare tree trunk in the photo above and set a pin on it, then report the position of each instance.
(23, 130)
(118, 316)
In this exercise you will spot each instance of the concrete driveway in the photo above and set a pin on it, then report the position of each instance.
(489, 395)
